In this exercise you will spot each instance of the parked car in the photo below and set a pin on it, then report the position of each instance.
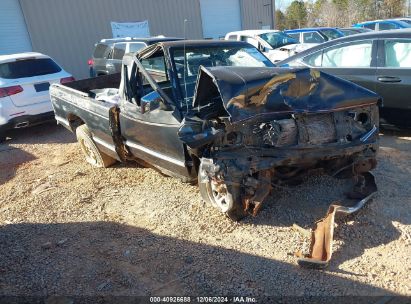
(24, 89)
(315, 35)
(108, 53)
(275, 44)
(383, 25)
(379, 61)
(404, 19)
(347, 31)
(223, 115)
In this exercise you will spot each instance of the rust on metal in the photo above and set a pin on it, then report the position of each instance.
(323, 231)
(253, 204)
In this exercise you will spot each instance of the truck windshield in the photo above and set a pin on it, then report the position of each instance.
(277, 39)
(213, 56)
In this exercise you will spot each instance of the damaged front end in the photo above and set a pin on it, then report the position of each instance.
(257, 129)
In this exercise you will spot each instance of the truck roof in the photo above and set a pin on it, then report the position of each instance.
(194, 43)
(147, 40)
(252, 32)
(179, 44)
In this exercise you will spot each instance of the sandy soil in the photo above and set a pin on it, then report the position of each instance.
(69, 229)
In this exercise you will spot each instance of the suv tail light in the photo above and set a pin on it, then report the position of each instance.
(8, 91)
(67, 79)
(90, 62)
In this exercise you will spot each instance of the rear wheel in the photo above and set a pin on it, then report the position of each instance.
(226, 198)
(92, 153)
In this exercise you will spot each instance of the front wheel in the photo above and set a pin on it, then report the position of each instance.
(226, 198)
(92, 153)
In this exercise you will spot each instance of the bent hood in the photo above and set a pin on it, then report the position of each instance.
(242, 92)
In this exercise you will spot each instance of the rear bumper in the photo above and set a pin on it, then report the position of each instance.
(26, 121)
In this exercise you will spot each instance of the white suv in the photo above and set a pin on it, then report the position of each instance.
(24, 89)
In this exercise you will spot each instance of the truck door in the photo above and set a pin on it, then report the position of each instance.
(150, 131)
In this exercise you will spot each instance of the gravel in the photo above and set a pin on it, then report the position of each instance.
(69, 229)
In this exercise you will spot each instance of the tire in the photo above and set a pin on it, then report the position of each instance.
(232, 205)
(92, 153)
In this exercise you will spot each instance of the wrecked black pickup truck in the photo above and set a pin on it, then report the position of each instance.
(220, 113)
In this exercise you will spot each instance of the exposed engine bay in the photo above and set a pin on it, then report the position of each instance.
(255, 132)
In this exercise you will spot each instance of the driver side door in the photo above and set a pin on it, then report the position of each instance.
(150, 131)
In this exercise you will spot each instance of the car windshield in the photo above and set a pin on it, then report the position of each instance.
(277, 39)
(28, 68)
(331, 33)
(408, 21)
(210, 57)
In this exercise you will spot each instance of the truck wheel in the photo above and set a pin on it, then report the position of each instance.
(226, 198)
(93, 155)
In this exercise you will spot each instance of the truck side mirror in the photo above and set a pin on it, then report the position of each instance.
(150, 102)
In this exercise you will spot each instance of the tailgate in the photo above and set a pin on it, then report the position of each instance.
(35, 90)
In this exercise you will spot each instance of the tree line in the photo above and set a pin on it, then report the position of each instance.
(337, 13)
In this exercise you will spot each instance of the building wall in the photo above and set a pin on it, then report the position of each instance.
(68, 29)
(256, 14)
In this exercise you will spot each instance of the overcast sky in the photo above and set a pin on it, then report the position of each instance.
(282, 4)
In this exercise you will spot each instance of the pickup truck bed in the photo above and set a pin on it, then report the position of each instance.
(74, 104)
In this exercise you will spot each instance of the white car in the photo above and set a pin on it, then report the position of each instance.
(24, 89)
(275, 44)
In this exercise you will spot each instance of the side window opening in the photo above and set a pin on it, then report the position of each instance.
(295, 36)
(397, 53)
(349, 55)
(100, 50)
(315, 59)
(312, 37)
(386, 26)
(370, 26)
(119, 50)
(156, 67)
(137, 85)
(134, 89)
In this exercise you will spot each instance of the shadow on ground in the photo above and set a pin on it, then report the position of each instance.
(10, 159)
(47, 133)
(106, 258)
(372, 226)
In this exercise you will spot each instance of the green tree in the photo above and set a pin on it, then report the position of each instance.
(296, 14)
(280, 21)
(392, 8)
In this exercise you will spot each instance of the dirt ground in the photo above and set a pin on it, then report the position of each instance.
(69, 229)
